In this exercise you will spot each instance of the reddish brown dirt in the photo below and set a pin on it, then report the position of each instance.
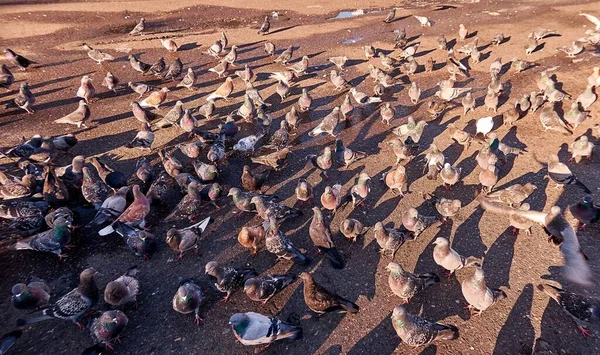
(51, 32)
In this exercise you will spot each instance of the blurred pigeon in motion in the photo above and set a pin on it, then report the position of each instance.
(576, 268)
(16, 59)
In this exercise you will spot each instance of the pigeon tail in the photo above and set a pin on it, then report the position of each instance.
(334, 257)
(446, 332)
(348, 306)
(551, 291)
(23, 322)
(9, 339)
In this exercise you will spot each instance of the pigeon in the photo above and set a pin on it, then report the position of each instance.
(520, 223)
(562, 175)
(134, 215)
(435, 161)
(587, 98)
(322, 162)
(532, 45)
(551, 121)
(111, 208)
(111, 82)
(242, 200)
(469, 47)
(216, 153)
(123, 290)
(410, 130)
(459, 136)
(222, 91)
(581, 148)
(360, 190)
(50, 241)
(491, 100)
(189, 80)
(207, 109)
(584, 310)
(571, 51)
(390, 16)
(414, 92)
(267, 208)
(442, 43)
(327, 125)
(250, 236)
(221, 68)
(405, 284)
(339, 62)
(140, 242)
(169, 44)
(429, 65)
(188, 299)
(303, 191)
(110, 176)
(106, 328)
(585, 212)
(447, 207)
(415, 222)
(386, 62)
(436, 108)
(25, 98)
(521, 65)
(396, 179)
(228, 279)
(448, 94)
(184, 239)
(6, 77)
(351, 228)
(94, 190)
(278, 244)
(424, 21)
(390, 239)
(264, 27)
(362, 98)
(143, 139)
(416, 331)
(560, 231)
(72, 305)
(574, 116)
(263, 288)
(331, 198)
(270, 48)
(338, 81)
(300, 67)
(247, 75)
(347, 156)
(247, 144)
(18, 60)
(285, 55)
(140, 88)
(34, 294)
(447, 258)
(172, 165)
(255, 329)
(512, 195)
(188, 206)
(402, 151)
(138, 65)
(155, 99)
(158, 67)
(321, 237)
(320, 300)
(253, 180)
(369, 51)
(97, 55)
(216, 49)
(139, 28)
(16, 208)
(478, 295)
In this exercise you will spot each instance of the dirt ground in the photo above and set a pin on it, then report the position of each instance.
(51, 32)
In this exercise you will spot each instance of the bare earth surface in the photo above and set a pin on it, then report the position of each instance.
(51, 32)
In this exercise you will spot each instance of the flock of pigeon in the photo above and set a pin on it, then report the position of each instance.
(35, 206)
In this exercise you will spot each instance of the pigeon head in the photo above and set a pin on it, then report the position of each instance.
(115, 292)
(234, 191)
(479, 274)
(394, 267)
(441, 242)
(215, 191)
(212, 268)
(239, 320)
(20, 290)
(399, 312)
(250, 285)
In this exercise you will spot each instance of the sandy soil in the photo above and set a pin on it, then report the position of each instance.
(50, 32)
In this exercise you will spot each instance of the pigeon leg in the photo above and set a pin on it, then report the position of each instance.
(196, 250)
(197, 319)
(108, 345)
(62, 256)
(225, 299)
(585, 332)
(180, 257)
(580, 226)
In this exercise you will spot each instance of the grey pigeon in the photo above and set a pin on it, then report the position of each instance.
(123, 290)
(415, 222)
(390, 239)
(17, 59)
(263, 288)
(583, 309)
(416, 331)
(321, 237)
(448, 258)
(188, 299)
(31, 295)
(77, 117)
(478, 295)
(139, 28)
(277, 243)
(405, 284)
(256, 329)
(228, 279)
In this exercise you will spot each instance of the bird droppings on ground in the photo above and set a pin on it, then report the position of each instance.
(127, 128)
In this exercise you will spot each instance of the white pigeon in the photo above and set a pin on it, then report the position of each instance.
(363, 98)
(424, 21)
(593, 19)
(484, 125)
(247, 144)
